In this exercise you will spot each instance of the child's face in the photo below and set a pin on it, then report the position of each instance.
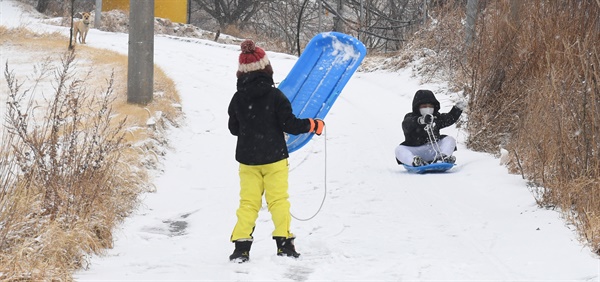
(426, 109)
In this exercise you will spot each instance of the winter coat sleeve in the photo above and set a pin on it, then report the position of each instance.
(288, 121)
(447, 119)
(234, 125)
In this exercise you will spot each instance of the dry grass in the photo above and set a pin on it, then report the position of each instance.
(536, 92)
(71, 168)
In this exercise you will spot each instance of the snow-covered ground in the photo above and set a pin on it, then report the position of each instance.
(474, 223)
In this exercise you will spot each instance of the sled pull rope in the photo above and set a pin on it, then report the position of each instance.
(434, 143)
(324, 184)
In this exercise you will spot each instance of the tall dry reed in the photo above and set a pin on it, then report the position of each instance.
(532, 80)
(534, 88)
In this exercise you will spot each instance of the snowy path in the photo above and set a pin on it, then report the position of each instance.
(378, 222)
(474, 223)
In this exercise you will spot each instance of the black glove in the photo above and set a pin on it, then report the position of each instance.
(426, 119)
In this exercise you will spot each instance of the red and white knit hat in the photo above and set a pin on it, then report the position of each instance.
(253, 58)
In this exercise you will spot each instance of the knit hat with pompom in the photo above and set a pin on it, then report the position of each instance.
(253, 58)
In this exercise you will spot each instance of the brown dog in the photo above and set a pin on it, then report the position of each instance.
(82, 27)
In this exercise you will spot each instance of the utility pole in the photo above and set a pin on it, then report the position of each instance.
(98, 14)
(140, 70)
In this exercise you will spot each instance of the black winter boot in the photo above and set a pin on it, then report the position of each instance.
(285, 247)
(418, 161)
(450, 159)
(242, 252)
(444, 158)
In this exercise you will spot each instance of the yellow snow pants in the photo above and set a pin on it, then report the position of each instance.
(272, 181)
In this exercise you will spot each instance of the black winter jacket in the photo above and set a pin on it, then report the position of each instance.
(414, 133)
(259, 114)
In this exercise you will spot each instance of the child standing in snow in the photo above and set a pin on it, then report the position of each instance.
(259, 114)
(417, 148)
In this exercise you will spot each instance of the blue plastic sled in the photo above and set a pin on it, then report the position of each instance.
(318, 77)
(434, 167)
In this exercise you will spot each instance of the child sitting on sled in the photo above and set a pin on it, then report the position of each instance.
(423, 146)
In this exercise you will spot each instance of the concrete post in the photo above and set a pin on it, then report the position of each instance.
(140, 70)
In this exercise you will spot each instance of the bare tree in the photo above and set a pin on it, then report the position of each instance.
(382, 25)
(338, 23)
(470, 27)
(42, 5)
(294, 22)
(231, 12)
